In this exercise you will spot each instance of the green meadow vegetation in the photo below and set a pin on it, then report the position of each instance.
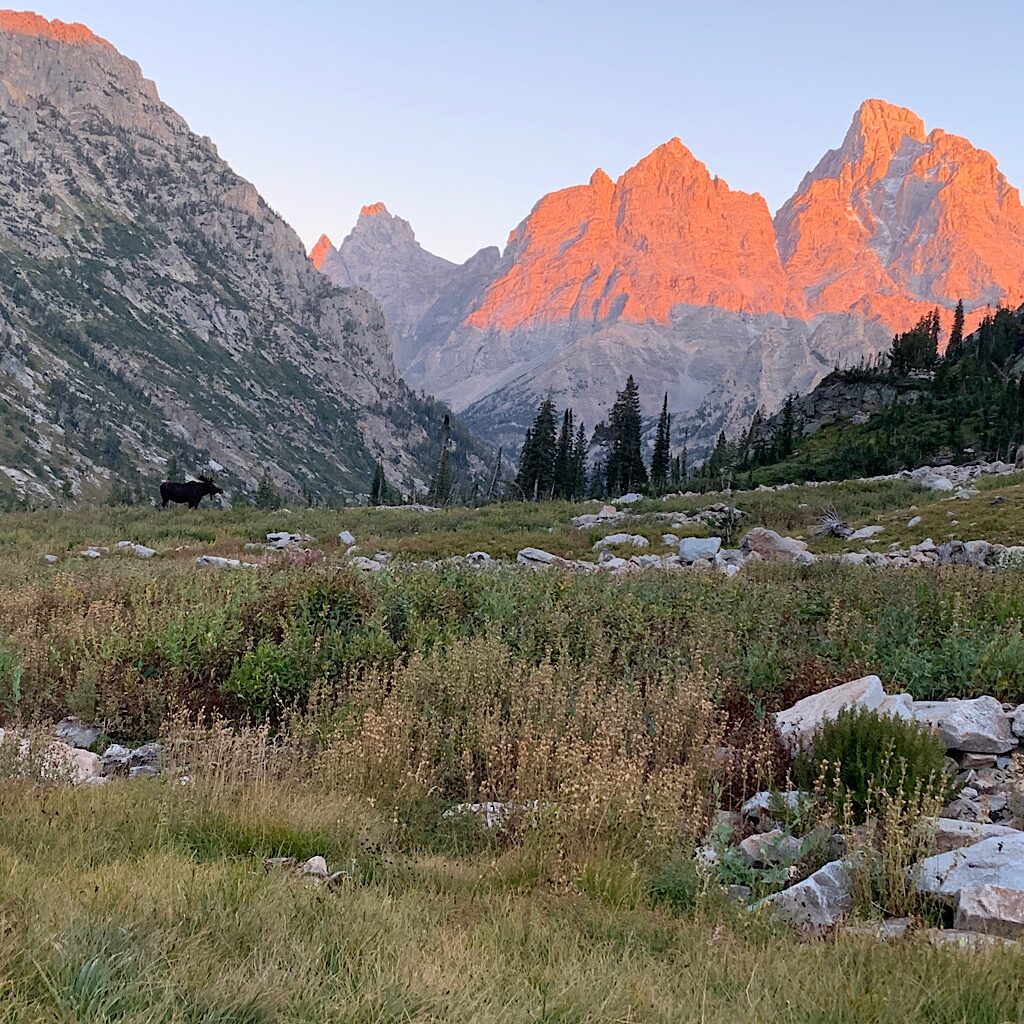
(317, 710)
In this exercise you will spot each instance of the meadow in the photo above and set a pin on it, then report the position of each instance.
(318, 710)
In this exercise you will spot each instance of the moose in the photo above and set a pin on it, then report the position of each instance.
(190, 493)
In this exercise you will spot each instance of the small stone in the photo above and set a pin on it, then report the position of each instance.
(146, 756)
(1017, 722)
(758, 809)
(315, 867)
(77, 733)
(865, 532)
(977, 761)
(346, 538)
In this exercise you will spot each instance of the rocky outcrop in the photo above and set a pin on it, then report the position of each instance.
(157, 306)
(324, 246)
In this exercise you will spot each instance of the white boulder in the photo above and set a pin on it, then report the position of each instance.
(818, 903)
(799, 723)
(699, 549)
(998, 860)
(978, 726)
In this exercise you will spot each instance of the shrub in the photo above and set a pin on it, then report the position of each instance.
(861, 755)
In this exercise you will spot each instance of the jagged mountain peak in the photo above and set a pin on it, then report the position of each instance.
(320, 251)
(897, 220)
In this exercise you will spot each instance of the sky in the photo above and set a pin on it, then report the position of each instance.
(461, 115)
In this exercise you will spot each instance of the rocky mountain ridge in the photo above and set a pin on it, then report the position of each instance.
(693, 287)
(152, 305)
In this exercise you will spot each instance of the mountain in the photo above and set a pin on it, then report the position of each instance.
(898, 220)
(152, 305)
(381, 254)
(692, 286)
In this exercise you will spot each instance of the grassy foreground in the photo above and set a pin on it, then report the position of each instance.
(375, 703)
(135, 905)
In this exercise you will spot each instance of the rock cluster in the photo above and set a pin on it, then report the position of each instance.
(978, 867)
(65, 756)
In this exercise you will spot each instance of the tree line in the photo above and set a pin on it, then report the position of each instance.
(555, 462)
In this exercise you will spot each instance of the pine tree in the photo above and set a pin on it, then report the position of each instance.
(579, 465)
(173, 471)
(562, 481)
(378, 485)
(661, 459)
(537, 462)
(956, 335)
(440, 492)
(626, 470)
(785, 438)
(267, 497)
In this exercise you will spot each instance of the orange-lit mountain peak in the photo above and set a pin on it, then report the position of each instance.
(28, 23)
(897, 220)
(665, 234)
(319, 251)
(373, 210)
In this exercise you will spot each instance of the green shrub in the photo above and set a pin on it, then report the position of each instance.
(269, 677)
(862, 753)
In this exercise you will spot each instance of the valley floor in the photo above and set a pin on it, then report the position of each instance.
(306, 708)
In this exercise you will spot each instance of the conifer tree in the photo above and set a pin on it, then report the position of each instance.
(626, 470)
(537, 462)
(173, 471)
(440, 492)
(579, 465)
(562, 482)
(378, 485)
(661, 459)
(956, 335)
(266, 494)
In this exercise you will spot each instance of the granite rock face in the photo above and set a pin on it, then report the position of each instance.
(159, 307)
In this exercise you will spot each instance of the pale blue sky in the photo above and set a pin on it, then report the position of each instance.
(460, 115)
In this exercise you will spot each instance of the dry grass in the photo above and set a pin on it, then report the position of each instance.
(149, 903)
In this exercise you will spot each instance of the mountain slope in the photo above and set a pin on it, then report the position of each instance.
(151, 303)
